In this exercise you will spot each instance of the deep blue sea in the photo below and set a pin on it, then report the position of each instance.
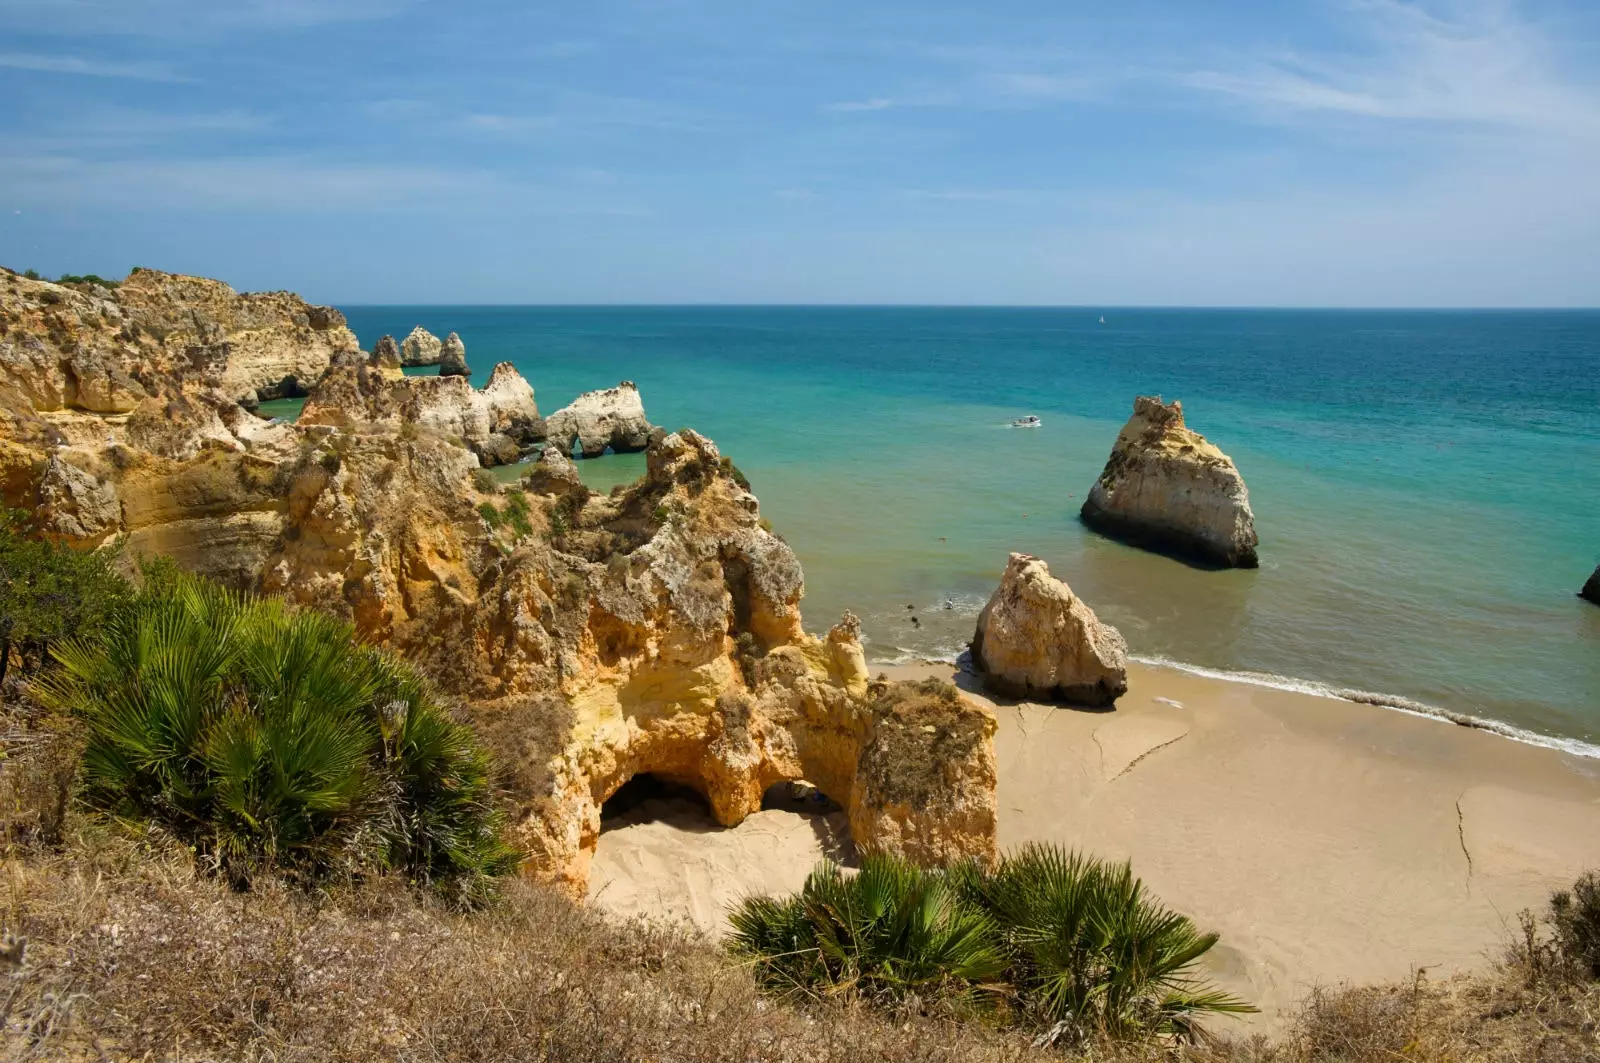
(1426, 484)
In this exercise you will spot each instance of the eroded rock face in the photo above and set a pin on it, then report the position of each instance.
(1166, 488)
(613, 418)
(1591, 589)
(497, 423)
(453, 357)
(421, 347)
(593, 637)
(100, 350)
(1038, 640)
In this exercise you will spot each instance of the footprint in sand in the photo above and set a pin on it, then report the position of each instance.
(1126, 741)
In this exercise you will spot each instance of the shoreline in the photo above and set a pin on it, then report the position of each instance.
(1575, 747)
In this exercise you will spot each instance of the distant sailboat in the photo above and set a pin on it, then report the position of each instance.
(1102, 319)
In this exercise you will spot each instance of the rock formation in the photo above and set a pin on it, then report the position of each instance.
(84, 348)
(385, 355)
(1591, 589)
(591, 637)
(1038, 640)
(453, 357)
(597, 420)
(420, 348)
(1166, 488)
(498, 423)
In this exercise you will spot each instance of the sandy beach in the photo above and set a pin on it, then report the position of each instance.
(1326, 841)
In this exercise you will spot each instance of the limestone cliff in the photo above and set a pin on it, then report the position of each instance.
(591, 637)
(453, 357)
(101, 350)
(597, 420)
(498, 423)
(1591, 589)
(1165, 487)
(1038, 640)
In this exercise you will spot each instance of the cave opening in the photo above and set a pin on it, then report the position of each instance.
(647, 798)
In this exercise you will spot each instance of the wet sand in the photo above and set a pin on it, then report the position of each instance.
(1326, 841)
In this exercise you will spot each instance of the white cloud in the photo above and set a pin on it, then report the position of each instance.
(877, 103)
(1479, 63)
(99, 68)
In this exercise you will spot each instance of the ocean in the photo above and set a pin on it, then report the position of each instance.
(1426, 484)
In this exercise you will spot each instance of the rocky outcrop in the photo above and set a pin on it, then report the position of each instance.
(599, 420)
(1168, 489)
(1591, 589)
(419, 348)
(103, 351)
(591, 637)
(1038, 640)
(385, 355)
(498, 423)
(453, 357)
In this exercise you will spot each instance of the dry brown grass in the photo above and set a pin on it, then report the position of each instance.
(131, 955)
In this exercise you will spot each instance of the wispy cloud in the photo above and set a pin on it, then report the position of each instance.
(1481, 62)
(99, 68)
(877, 103)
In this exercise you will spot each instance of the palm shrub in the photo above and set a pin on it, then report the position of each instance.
(890, 929)
(1090, 951)
(1051, 938)
(267, 738)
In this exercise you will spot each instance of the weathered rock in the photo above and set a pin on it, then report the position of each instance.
(453, 357)
(1166, 488)
(1038, 640)
(385, 354)
(447, 406)
(553, 474)
(596, 420)
(419, 348)
(75, 504)
(1591, 589)
(100, 350)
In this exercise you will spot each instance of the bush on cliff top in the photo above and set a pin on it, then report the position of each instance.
(266, 738)
(1049, 940)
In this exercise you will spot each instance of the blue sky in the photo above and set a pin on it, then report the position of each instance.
(1333, 152)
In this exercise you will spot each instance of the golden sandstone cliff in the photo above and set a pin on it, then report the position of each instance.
(1167, 488)
(589, 637)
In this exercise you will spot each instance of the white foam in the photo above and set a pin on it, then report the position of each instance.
(1396, 702)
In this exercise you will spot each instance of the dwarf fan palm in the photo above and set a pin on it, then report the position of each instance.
(264, 736)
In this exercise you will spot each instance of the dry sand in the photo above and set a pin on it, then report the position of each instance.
(1327, 841)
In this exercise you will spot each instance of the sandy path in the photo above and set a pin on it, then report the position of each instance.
(1326, 841)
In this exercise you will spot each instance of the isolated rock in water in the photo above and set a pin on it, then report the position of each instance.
(1036, 639)
(453, 357)
(385, 354)
(1591, 590)
(599, 419)
(1168, 489)
(553, 474)
(420, 348)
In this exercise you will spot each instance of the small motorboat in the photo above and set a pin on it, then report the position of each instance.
(1029, 421)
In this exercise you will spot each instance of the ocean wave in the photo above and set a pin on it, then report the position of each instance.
(1397, 702)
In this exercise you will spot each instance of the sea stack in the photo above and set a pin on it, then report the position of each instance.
(453, 357)
(597, 420)
(1166, 488)
(385, 354)
(419, 348)
(1038, 640)
(1591, 590)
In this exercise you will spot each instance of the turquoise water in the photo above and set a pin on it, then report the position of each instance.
(1426, 484)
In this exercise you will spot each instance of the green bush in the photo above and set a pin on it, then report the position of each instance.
(516, 512)
(86, 278)
(484, 481)
(1575, 914)
(268, 739)
(49, 592)
(490, 514)
(32, 274)
(1050, 939)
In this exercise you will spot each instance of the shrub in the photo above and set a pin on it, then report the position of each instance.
(1075, 942)
(1575, 916)
(516, 513)
(484, 481)
(32, 274)
(49, 592)
(86, 278)
(266, 738)
(490, 514)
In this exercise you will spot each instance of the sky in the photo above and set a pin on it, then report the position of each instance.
(1317, 153)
